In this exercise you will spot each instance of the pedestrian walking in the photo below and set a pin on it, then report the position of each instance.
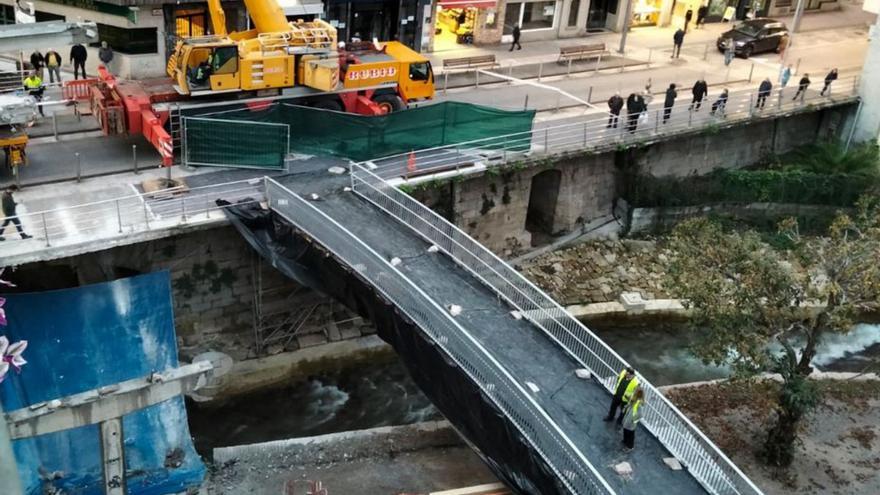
(105, 54)
(803, 84)
(615, 104)
(33, 84)
(37, 62)
(763, 92)
(700, 90)
(627, 382)
(720, 104)
(633, 109)
(687, 18)
(830, 78)
(515, 41)
(78, 55)
(7, 201)
(631, 418)
(785, 76)
(729, 51)
(671, 95)
(53, 63)
(677, 40)
(702, 12)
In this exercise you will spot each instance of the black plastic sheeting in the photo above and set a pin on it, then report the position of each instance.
(500, 444)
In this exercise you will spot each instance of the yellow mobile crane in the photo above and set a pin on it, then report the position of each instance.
(299, 59)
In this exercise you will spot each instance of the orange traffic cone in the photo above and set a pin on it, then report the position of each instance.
(411, 162)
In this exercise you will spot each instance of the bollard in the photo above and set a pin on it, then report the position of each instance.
(540, 70)
(445, 81)
(650, 55)
(118, 216)
(477, 78)
(510, 73)
(45, 229)
(558, 96)
(797, 67)
(751, 70)
(569, 68)
(55, 125)
(168, 175)
(598, 61)
(134, 158)
(78, 167)
(526, 104)
(590, 95)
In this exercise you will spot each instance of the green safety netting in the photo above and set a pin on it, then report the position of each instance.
(357, 137)
(212, 142)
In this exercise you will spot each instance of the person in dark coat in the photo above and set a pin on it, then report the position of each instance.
(720, 104)
(633, 109)
(700, 90)
(105, 53)
(677, 40)
(803, 84)
(687, 18)
(702, 12)
(515, 41)
(79, 54)
(671, 94)
(830, 78)
(38, 62)
(615, 104)
(7, 201)
(763, 92)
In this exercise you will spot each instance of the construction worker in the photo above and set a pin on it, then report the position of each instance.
(632, 417)
(623, 392)
(34, 86)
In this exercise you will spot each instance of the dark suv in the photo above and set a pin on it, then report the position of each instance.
(755, 36)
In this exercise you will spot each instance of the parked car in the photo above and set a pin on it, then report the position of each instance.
(756, 36)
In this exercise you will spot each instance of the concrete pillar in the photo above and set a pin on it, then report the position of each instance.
(9, 479)
(867, 127)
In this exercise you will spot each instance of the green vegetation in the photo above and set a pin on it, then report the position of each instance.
(750, 298)
(833, 158)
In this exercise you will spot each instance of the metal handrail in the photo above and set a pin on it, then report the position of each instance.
(592, 133)
(570, 465)
(681, 437)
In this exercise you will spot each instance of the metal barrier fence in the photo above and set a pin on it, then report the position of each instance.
(211, 142)
(593, 133)
(571, 467)
(681, 437)
(130, 214)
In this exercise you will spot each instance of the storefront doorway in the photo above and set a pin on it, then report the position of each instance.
(458, 22)
(531, 16)
(598, 14)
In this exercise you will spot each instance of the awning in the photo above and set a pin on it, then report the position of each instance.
(301, 7)
(477, 4)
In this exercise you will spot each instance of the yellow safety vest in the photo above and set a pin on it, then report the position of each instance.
(33, 82)
(630, 387)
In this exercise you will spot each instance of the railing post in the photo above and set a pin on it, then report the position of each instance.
(78, 167)
(706, 51)
(585, 134)
(690, 116)
(45, 229)
(569, 68)
(751, 71)
(779, 99)
(183, 209)
(751, 104)
(445, 81)
(558, 97)
(797, 67)
(590, 95)
(656, 121)
(526, 104)
(477, 78)
(855, 88)
(55, 125)
(540, 70)
(510, 72)
(118, 216)
(546, 135)
(146, 212)
(168, 175)
(208, 203)
(650, 55)
(134, 158)
(598, 62)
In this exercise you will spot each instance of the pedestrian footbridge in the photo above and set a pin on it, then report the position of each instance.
(493, 351)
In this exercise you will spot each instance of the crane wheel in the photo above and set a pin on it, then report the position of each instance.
(389, 102)
(328, 105)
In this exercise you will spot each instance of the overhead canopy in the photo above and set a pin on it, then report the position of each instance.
(459, 4)
(301, 7)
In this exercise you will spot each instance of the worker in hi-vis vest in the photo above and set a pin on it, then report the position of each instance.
(623, 392)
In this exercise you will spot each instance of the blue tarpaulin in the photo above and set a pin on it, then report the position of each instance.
(84, 338)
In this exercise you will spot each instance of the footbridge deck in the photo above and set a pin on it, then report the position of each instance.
(515, 344)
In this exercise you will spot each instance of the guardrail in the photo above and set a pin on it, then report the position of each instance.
(684, 440)
(594, 133)
(128, 215)
(571, 467)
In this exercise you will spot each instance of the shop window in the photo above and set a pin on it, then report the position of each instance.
(573, 13)
(189, 23)
(130, 41)
(612, 7)
(531, 15)
(7, 14)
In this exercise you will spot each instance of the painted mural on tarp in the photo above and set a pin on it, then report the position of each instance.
(88, 337)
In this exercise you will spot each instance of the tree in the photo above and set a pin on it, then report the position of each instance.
(760, 308)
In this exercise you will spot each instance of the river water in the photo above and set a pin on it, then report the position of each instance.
(358, 394)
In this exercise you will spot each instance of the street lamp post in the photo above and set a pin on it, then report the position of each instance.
(626, 22)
